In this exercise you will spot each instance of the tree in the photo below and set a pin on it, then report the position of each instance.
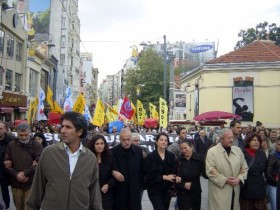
(148, 76)
(260, 32)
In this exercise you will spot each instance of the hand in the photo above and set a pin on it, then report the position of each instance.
(21, 177)
(105, 188)
(8, 163)
(233, 181)
(169, 177)
(178, 179)
(188, 185)
(34, 163)
(118, 175)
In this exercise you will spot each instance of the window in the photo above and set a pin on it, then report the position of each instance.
(1, 41)
(62, 59)
(44, 79)
(33, 78)
(17, 82)
(9, 80)
(62, 41)
(19, 51)
(63, 22)
(10, 46)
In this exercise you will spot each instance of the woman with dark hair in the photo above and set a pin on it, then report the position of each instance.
(253, 193)
(264, 145)
(159, 166)
(272, 175)
(189, 167)
(40, 138)
(98, 145)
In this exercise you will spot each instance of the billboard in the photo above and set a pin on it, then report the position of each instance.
(34, 16)
(180, 102)
(242, 102)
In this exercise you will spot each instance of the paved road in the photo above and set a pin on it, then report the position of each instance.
(146, 204)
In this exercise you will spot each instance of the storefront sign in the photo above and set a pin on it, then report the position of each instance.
(12, 99)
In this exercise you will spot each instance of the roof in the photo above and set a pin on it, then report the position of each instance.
(257, 51)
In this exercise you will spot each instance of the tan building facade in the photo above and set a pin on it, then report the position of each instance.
(244, 82)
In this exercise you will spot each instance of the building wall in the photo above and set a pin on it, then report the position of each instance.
(215, 92)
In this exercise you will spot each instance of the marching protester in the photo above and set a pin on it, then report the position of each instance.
(159, 173)
(253, 192)
(41, 139)
(21, 160)
(188, 168)
(5, 138)
(202, 143)
(235, 127)
(175, 146)
(128, 171)
(98, 145)
(272, 175)
(67, 172)
(226, 168)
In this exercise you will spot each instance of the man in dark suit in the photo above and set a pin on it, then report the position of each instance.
(202, 143)
(128, 170)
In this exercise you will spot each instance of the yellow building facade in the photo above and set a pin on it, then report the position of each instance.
(212, 86)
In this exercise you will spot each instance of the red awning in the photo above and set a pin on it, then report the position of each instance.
(22, 109)
(6, 109)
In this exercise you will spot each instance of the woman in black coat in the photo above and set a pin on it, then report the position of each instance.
(253, 193)
(189, 167)
(98, 145)
(159, 166)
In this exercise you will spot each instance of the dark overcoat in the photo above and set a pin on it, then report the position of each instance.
(129, 162)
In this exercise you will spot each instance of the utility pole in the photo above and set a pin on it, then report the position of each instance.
(164, 67)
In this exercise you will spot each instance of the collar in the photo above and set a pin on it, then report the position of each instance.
(80, 149)
(221, 149)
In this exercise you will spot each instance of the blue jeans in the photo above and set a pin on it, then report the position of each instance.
(271, 191)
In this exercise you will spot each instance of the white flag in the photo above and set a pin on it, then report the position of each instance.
(40, 110)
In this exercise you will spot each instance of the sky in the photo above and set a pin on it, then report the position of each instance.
(109, 28)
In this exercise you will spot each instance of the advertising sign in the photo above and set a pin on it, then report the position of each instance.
(242, 101)
(180, 102)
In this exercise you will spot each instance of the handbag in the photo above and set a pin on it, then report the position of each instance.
(173, 190)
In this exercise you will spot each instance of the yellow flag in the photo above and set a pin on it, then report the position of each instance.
(57, 108)
(153, 111)
(79, 105)
(140, 113)
(110, 116)
(99, 114)
(133, 119)
(35, 107)
(163, 111)
(49, 98)
(30, 109)
(112, 109)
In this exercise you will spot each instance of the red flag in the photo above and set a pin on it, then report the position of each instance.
(126, 109)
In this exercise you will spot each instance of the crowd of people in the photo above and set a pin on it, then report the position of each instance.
(241, 164)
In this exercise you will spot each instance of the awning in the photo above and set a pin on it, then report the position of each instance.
(22, 109)
(6, 109)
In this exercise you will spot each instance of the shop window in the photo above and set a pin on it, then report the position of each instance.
(18, 82)
(9, 80)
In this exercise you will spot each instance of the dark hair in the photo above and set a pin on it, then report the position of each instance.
(178, 131)
(258, 123)
(42, 136)
(162, 134)
(188, 142)
(233, 123)
(106, 154)
(250, 137)
(78, 120)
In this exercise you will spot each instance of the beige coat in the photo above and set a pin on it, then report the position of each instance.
(220, 166)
